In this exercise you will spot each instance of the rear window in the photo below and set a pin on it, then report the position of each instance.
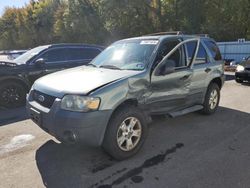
(214, 50)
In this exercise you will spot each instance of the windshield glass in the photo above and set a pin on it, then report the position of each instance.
(126, 55)
(22, 59)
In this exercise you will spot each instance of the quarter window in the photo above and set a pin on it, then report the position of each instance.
(214, 50)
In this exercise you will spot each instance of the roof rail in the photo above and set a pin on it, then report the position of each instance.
(202, 35)
(165, 33)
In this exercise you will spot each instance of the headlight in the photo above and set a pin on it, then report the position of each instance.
(80, 103)
(240, 68)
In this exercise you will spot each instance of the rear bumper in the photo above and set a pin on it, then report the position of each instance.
(85, 128)
(244, 76)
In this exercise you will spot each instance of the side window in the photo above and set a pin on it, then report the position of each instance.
(214, 50)
(54, 55)
(91, 53)
(177, 57)
(75, 54)
(82, 53)
(202, 56)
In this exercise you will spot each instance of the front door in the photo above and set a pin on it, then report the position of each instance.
(55, 60)
(170, 90)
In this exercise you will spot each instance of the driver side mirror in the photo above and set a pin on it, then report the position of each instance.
(167, 67)
(40, 62)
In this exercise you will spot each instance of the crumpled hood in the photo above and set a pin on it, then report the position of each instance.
(79, 80)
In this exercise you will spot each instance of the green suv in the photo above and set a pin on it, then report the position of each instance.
(110, 101)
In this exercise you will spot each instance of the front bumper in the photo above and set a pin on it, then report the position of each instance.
(85, 128)
(244, 75)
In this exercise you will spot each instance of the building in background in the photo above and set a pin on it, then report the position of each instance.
(235, 51)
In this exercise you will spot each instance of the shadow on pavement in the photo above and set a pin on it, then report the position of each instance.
(8, 116)
(63, 166)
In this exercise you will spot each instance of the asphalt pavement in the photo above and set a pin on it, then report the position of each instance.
(190, 151)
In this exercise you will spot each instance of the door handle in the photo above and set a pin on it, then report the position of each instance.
(185, 77)
(207, 70)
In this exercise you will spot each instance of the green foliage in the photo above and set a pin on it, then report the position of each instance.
(103, 21)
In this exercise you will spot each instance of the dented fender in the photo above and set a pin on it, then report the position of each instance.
(116, 93)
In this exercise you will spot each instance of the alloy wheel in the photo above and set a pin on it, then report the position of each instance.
(129, 134)
(213, 100)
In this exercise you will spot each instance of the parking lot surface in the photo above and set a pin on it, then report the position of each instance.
(189, 151)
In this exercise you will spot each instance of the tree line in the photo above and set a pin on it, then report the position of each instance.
(104, 21)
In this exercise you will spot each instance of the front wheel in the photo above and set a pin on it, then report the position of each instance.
(126, 133)
(212, 99)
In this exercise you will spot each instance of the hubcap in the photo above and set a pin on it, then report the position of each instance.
(213, 100)
(129, 134)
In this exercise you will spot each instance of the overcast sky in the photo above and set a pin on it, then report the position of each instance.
(11, 3)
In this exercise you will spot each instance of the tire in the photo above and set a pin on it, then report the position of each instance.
(239, 81)
(12, 94)
(118, 125)
(210, 106)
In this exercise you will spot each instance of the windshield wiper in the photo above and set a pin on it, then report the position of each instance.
(90, 64)
(110, 67)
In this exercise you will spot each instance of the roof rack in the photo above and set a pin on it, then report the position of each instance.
(165, 33)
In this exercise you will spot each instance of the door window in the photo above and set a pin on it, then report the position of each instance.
(91, 53)
(55, 55)
(82, 53)
(202, 56)
(177, 57)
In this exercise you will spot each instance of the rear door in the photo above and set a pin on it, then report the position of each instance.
(203, 67)
(81, 55)
(201, 71)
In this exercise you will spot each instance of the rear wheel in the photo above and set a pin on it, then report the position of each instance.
(212, 99)
(12, 94)
(239, 81)
(126, 133)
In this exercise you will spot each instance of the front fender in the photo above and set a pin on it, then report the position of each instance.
(112, 95)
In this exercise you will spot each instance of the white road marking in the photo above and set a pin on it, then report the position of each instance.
(16, 142)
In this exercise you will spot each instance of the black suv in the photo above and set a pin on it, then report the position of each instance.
(17, 76)
(242, 72)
